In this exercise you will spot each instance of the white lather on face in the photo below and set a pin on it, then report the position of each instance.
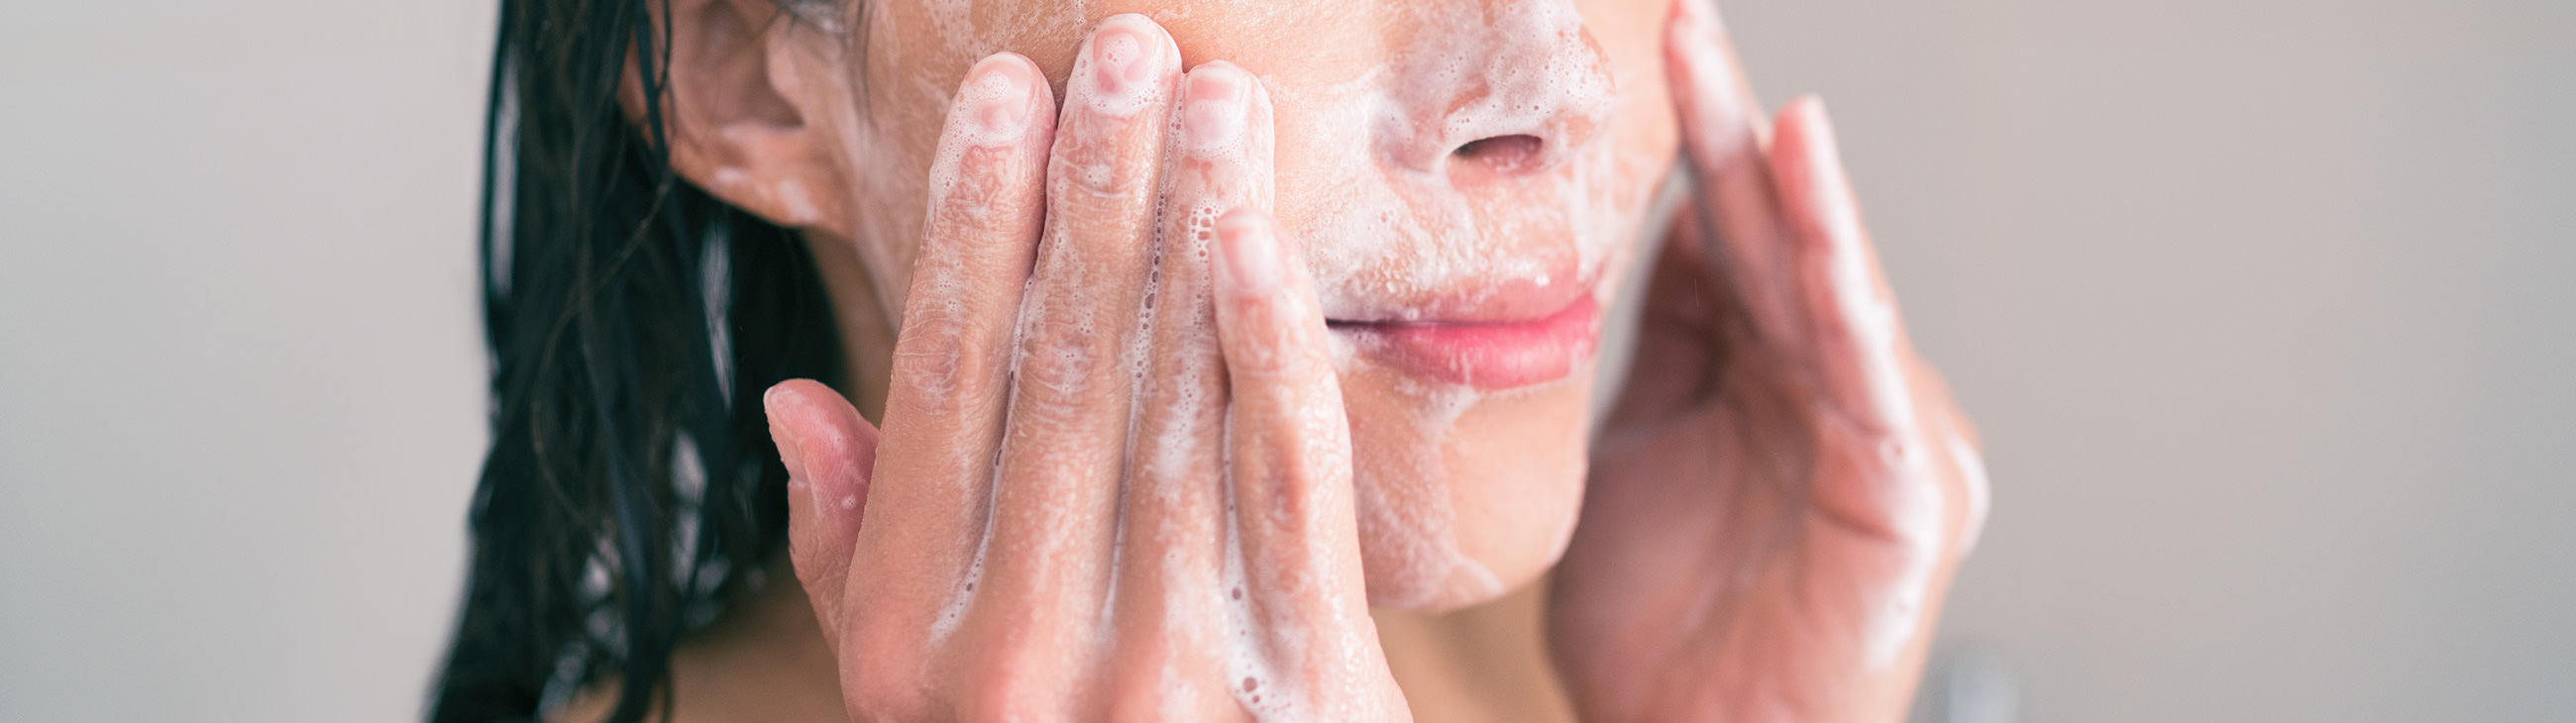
(1403, 221)
(1395, 224)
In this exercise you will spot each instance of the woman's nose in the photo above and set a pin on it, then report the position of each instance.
(1502, 88)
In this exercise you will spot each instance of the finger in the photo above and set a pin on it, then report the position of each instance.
(1854, 320)
(1725, 136)
(1172, 539)
(1055, 507)
(1721, 118)
(944, 402)
(829, 452)
(1876, 471)
(1290, 460)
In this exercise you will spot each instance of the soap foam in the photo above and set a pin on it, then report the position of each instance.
(1393, 230)
(1381, 231)
(1393, 226)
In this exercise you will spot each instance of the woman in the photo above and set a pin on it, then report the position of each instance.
(1242, 366)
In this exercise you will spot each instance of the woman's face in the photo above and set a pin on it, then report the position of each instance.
(1469, 180)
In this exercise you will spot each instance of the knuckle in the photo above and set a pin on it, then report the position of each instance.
(883, 697)
(1099, 164)
(1269, 345)
(937, 362)
(1163, 688)
(1061, 358)
(1009, 685)
(874, 685)
(1291, 497)
(1299, 466)
(983, 194)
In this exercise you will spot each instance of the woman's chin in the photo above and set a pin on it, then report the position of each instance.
(1463, 494)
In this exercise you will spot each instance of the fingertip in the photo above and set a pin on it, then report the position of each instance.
(1242, 218)
(787, 414)
(1125, 65)
(1807, 107)
(1806, 132)
(1215, 108)
(811, 422)
(800, 403)
(1692, 19)
(1000, 100)
(827, 459)
(787, 392)
(1230, 87)
(1722, 123)
(1804, 140)
(1224, 72)
(1808, 160)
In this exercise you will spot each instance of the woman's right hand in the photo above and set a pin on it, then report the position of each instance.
(1114, 479)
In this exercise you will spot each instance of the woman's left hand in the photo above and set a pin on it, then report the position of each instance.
(1784, 489)
(1114, 477)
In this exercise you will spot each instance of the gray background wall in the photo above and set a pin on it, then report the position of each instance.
(2262, 305)
(2265, 309)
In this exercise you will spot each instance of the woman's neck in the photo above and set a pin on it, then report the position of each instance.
(1482, 663)
(866, 327)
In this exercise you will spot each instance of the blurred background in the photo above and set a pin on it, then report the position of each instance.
(2264, 307)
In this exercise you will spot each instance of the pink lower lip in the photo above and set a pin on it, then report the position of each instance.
(1486, 355)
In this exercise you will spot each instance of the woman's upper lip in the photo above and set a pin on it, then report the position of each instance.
(1507, 302)
(1489, 356)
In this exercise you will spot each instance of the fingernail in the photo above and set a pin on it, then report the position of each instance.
(790, 453)
(1126, 55)
(1218, 99)
(1251, 254)
(998, 99)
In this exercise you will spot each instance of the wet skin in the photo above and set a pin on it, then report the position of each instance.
(1158, 426)
(1398, 223)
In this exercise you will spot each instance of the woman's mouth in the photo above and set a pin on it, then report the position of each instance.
(1488, 355)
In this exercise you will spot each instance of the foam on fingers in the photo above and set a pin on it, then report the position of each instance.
(1078, 344)
(1297, 594)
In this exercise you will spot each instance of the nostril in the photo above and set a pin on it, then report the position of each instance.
(1501, 153)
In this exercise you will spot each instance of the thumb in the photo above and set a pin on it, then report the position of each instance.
(829, 452)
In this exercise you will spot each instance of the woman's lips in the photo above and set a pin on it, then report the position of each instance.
(1486, 355)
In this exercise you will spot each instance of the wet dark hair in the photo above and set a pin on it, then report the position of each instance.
(631, 489)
